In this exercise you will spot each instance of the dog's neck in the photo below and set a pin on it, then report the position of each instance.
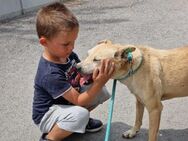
(135, 64)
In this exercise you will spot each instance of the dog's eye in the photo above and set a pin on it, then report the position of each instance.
(96, 59)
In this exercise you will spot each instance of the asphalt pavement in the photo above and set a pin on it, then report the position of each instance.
(157, 23)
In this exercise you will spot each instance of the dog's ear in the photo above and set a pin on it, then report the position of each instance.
(129, 49)
(104, 42)
(124, 52)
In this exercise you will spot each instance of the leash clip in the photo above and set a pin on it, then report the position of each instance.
(129, 57)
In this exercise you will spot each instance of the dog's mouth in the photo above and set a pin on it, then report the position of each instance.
(86, 79)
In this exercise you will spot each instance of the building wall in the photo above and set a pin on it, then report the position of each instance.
(12, 8)
(9, 8)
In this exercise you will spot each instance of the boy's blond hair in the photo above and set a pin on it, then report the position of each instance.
(54, 18)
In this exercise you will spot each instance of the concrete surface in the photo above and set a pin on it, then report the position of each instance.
(158, 23)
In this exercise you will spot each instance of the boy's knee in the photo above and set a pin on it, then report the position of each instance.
(82, 114)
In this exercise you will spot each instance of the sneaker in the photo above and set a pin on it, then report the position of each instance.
(94, 125)
(43, 137)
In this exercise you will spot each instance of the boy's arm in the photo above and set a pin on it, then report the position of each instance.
(100, 77)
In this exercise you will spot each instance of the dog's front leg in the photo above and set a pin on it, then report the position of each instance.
(154, 121)
(138, 122)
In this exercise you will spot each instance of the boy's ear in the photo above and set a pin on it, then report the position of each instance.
(43, 41)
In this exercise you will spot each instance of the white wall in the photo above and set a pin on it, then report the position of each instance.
(30, 4)
(12, 8)
(9, 8)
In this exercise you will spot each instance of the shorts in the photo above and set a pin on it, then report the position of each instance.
(70, 117)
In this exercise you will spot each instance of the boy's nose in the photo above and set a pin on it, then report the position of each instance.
(71, 46)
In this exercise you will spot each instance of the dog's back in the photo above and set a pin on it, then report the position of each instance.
(174, 70)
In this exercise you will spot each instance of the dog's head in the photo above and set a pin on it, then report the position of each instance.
(106, 50)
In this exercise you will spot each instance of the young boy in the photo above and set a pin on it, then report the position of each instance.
(60, 105)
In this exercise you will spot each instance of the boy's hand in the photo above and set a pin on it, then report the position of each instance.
(103, 74)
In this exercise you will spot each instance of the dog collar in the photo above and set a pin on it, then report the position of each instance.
(132, 70)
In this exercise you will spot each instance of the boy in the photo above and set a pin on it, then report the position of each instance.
(60, 105)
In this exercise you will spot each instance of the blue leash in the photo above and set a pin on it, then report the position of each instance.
(111, 106)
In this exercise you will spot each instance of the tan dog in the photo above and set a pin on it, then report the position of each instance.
(151, 75)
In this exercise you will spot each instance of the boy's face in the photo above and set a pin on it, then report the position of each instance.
(61, 46)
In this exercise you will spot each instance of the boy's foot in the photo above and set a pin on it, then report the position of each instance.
(43, 137)
(94, 125)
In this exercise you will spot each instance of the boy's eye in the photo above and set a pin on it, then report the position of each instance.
(66, 44)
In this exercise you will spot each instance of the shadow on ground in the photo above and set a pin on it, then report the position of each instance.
(117, 128)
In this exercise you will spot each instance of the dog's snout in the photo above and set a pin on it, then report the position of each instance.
(78, 67)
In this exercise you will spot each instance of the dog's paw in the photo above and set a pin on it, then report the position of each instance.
(129, 134)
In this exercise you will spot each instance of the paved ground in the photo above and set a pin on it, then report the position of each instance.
(158, 23)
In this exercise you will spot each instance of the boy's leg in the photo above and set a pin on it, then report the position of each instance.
(62, 120)
(102, 96)
(57, 134)
(95, 125)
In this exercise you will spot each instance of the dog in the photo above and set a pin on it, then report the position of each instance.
(152, 75)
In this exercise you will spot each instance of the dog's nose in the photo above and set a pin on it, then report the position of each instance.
(78, 67)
